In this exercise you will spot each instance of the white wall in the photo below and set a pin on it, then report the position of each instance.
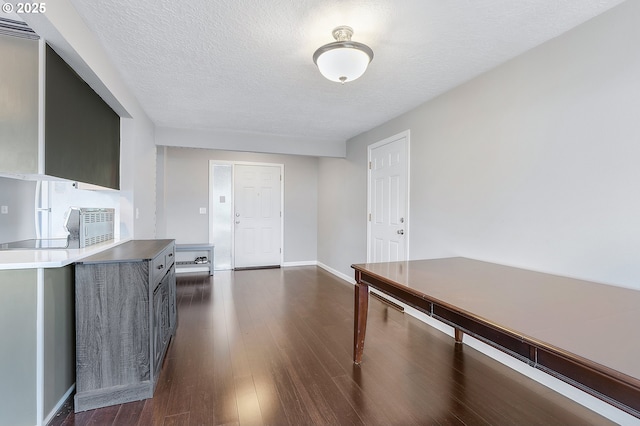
(533, 164)
(249, 142)
(67, 33)
(342, 210)
(183, 188)
(138, 181)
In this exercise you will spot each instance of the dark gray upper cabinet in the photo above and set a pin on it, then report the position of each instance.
(82, 133)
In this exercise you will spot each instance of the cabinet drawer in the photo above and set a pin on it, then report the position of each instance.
(170, 255)
(161, 263)
(158, 267)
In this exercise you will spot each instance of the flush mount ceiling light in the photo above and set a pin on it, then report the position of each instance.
(343, 60)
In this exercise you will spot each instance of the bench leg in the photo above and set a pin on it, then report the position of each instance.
(361, 306)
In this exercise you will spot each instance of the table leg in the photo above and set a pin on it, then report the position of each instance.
(458, 335)
(360, 320)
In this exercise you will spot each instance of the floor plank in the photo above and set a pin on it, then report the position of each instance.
(273, 347)
(129, 414)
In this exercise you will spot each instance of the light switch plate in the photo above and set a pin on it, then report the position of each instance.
(4, 209)
(203, 210)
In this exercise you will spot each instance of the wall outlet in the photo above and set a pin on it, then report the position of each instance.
(4, 209)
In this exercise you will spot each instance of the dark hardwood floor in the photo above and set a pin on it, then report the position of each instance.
(274, 347)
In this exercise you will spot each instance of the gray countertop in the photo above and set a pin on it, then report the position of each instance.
(132, 251)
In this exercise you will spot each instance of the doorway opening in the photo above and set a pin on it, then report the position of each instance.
(246, 214)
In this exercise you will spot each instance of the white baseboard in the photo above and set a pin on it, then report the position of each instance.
(592, 403)
(337, 273)
(59, 405)
(300, 263)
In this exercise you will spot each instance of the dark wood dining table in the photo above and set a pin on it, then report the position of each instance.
(582, 332)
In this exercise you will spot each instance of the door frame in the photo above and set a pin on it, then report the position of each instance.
(404, 134)
(233, 163)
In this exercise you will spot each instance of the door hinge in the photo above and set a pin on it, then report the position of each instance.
(280, 250)
(369, 217)
(369, 165)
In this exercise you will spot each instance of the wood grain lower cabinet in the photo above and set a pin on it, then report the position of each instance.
(125, 318)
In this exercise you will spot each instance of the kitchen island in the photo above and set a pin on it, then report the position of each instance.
(38, 331)
(125, 318)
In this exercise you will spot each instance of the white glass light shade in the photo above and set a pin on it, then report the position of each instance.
(343, 64)
(344, 60)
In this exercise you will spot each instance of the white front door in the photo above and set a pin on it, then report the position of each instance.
(388, 200)
(257, 216)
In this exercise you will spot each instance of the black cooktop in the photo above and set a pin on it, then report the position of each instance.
(36, 244)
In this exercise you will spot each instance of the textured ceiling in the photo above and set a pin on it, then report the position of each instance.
(246, 65)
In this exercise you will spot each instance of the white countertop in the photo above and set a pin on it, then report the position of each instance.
(51, 258)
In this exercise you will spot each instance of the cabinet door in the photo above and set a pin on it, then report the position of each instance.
(161, 320)
(166, 330)
(82, 133)
(173, 313)
(18, 105)
(156, 331)
(166, 309)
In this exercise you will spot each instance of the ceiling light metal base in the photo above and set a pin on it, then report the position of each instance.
(342, 33)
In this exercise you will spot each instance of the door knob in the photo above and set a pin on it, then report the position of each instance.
(400, 231)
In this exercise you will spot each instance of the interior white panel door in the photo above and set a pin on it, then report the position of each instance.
(388, 203)
(257, 216)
